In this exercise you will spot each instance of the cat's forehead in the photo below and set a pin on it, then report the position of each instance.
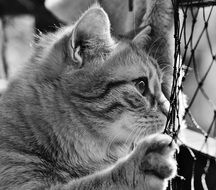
(131, 61)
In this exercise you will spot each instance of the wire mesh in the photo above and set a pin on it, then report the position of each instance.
(195, 57)
(195, 54)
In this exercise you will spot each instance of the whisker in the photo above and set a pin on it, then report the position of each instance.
(158, 47)
(136, 139)
(154, 43)
(136, 135)
(109, 146)
(131, 134)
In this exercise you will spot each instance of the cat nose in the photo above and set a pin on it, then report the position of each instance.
(163, 104)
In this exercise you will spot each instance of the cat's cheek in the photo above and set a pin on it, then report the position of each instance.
(123, 128)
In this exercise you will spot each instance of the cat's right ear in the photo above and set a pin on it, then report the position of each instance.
(90, 35)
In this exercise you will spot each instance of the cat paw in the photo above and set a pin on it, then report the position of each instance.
(156, 156)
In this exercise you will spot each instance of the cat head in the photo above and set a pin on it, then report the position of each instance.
(110, 88)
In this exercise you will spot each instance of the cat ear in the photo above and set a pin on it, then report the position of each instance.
(90, 34)
(158, 15)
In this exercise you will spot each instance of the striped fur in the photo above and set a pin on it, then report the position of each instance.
(71, 119)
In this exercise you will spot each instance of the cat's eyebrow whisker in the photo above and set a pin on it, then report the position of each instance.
(164, 69)
(158, 47)
(153, 46)
(160, 59)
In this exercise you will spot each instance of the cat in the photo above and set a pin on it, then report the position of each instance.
(157, 13)
(86, 113)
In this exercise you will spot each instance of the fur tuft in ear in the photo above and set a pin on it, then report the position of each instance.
(91, 34)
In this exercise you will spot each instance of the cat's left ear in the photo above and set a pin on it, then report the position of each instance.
(91, 35)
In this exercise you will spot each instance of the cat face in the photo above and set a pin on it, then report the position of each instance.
(112, 88)
(117, 86)
(123, 96)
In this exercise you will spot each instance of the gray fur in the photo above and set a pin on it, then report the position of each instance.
(69, 120)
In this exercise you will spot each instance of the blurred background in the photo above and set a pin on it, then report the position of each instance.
(21, 20)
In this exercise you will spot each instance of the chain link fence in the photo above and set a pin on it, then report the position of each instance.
(195, 57)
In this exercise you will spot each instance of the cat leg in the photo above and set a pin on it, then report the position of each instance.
(148, 167)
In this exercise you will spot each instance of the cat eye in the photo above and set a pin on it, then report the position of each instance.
(141, 85)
